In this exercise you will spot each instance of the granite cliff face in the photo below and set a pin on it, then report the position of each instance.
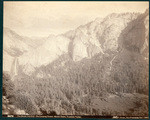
(101, 36)
(98, 36)
(52, 48)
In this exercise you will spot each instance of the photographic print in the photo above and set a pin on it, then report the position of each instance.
(75, 59)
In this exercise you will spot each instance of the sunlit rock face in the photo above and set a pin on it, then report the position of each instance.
(46, 53)
(97, 37)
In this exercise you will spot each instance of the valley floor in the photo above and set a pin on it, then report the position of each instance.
(125, 104)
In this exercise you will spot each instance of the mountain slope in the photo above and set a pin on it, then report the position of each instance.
(98, 36)
(84, 42)
(100, 68)
(131, 63)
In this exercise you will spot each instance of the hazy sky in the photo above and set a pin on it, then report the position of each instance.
(44, 18)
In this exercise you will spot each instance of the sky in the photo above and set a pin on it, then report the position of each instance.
(41, 19)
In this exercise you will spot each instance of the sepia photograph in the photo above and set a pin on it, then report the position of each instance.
(75, 59)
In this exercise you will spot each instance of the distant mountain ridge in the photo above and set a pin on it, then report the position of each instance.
(98, 36)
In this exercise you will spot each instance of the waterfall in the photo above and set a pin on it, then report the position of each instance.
(14, 68)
